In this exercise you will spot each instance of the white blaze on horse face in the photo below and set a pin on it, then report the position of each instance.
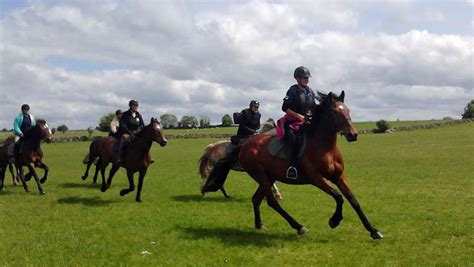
(47, 127)
(341, 107)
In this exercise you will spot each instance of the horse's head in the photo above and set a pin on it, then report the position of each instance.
(158, 135)
(336, 111)
(40, 131)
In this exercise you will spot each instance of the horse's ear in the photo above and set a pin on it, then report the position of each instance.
(330, 97)
(151, 120)
(341, 96)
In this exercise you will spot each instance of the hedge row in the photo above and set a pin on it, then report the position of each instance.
(226, 136)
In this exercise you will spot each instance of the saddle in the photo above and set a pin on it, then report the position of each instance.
(283, 150)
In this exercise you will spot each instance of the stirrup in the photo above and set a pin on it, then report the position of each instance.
(290, 169)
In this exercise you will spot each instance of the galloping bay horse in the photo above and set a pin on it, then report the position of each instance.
(218, 150)
(321, 162)
(31, 155)
(137, 156)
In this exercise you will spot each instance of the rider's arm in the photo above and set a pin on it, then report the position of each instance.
(16, 126)
(290, 112)
(142, 124)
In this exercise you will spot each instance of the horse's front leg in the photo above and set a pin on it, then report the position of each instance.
(43, 166)
(140, 184)
(323, 184)
(33, 172)
(342, 184)
(112, 172)
(131, 185)
(22, 178)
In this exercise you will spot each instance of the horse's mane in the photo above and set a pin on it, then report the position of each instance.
(319, 109)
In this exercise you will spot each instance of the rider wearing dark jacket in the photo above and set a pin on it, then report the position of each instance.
(131, 124)
(250, 121)
(298, 103)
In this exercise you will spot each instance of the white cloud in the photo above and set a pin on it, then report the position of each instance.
(183, 60)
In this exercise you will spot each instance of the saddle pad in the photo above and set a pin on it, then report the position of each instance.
(282, 150)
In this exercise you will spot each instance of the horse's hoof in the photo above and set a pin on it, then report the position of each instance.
(303, 230)
(27, 190)
(333, 222)
(42, 192)
(84, 177)
(123, 192)
(103, 189)
(376, 235)
(227, 196)
(261, 227)
(138, 200)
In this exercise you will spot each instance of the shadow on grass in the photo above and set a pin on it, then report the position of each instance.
(199, 198)
(87, 201)
(81, 185)
(243, 238)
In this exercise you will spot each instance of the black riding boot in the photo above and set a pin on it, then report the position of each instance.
(293, 141)
(121, 151)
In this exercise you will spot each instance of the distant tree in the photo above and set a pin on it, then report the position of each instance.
(62, 128)
(168, 121)
(4, 130)
(226, 121)
(447, 118)
(469, 110)
(189, 122)
(382, 126)
(104, 124)
(204, 121)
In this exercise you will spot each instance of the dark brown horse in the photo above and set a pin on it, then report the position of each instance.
(93, 158)
(31, 155)
(137, 156)
(320, 163)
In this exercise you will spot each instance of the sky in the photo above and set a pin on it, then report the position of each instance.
(77, 60)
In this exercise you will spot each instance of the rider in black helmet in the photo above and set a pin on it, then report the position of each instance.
(250, 120)
(248, 126)
(131, 123)
(298, 103)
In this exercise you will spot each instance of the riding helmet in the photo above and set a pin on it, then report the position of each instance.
(302, 72)
(254, 103)
(133, 103)
(25, 107)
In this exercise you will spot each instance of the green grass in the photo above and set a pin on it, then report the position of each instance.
(415, 187)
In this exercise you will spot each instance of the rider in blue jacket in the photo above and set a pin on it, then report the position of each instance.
(22, 124)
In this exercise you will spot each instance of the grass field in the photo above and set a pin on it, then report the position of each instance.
(416, 187)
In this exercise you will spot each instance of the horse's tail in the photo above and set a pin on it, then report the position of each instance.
(205, 165)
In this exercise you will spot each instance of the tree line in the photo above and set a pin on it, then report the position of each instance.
(170, 121)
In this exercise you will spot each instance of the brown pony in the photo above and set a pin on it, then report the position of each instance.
(32, 155)
(320, 163)
(137, 156)
(93, 158)
(218, 150)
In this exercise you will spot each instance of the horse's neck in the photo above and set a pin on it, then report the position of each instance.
(143, 143)
(32, 142)
(324, 136)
